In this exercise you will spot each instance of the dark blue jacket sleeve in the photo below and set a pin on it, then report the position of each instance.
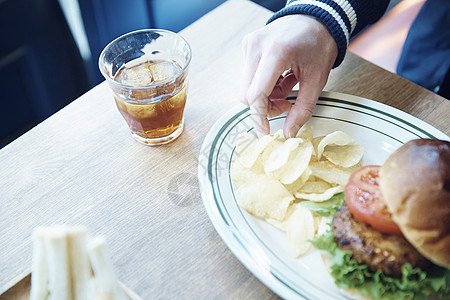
(344, 18)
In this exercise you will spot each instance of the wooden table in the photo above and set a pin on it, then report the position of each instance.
(81, 166)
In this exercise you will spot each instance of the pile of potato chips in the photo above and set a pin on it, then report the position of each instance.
(274, 174)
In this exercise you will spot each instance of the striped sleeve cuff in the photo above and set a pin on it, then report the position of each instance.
(339, 16)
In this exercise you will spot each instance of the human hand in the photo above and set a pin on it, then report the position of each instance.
(292, 49)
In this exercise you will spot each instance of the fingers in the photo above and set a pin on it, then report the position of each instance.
(262, 85)
(260, 122)
(250, 65)
(284, 86)
(303, 108)
(266, 76)
(278, 107)
(278, 103)
(297, 43)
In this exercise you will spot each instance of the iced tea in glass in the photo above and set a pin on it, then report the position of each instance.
(147, 71)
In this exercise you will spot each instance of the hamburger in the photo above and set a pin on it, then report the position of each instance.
(391, 237)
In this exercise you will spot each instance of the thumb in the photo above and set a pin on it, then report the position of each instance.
(303, 108)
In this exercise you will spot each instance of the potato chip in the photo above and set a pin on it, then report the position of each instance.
(301, 225)
(280, 135)
(269, 149)
(269, 171)
(317, 190)
(249, 148)
(240, 174)
(298, 162)
(319, 197)
(278, 224)
(331, 173)
(279, 155)
(344, 156)
(264, 197)
(318, 219)
(315, 185)
(300, 228)
(305, 132)
(337, 138)
(316, 141)
(298, 184)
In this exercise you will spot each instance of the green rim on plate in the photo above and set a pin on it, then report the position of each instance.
(387, 127)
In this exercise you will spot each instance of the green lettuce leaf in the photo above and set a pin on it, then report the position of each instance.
(414, 283)
(325, 208)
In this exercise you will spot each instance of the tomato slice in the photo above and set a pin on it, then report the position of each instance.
(365, 201)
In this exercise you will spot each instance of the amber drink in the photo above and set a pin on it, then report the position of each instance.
(149, 83)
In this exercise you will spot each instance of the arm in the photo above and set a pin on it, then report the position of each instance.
(343, 18)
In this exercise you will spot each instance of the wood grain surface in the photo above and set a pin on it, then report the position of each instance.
(21, 291)
(81, 166)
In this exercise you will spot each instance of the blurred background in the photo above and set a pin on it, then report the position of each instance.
(49, 48)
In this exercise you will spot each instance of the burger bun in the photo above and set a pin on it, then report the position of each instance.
(415, 183)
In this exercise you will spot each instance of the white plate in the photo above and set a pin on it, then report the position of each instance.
(259, 246)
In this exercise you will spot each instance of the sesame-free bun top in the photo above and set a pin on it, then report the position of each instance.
(415, 183)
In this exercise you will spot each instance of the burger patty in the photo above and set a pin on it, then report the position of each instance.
(370, 246)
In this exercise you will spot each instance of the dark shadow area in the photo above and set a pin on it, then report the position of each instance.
(41, 69)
